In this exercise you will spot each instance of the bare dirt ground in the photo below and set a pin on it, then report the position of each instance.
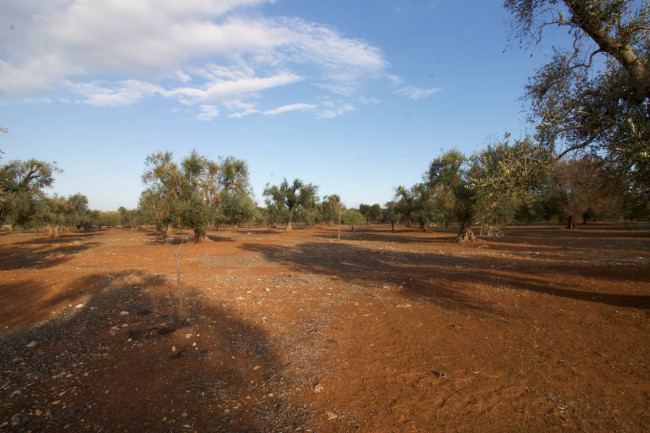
(541, 330)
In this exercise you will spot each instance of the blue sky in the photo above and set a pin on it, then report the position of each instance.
(355, 96)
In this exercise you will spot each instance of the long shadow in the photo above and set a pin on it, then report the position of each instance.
(44, 239)
(444, 279)
(108, 365)
(154, 237)
(414, 273)
(45, 252)
(401, 237)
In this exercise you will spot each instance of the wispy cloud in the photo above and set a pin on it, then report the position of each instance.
(416, 93)
(331, 109)
(208, 53)
(291, 107)
(208, 112)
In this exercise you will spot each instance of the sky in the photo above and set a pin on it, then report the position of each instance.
(355, 96)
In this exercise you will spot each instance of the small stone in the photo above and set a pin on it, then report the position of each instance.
(37, 412)
(32, 344)
(257, 367)
(188, 336)
(54, 403)
(331, 415)
(124, 313)
(227, 411)
(318, 388)
(174, 349)
(79, 306)
(270, 394)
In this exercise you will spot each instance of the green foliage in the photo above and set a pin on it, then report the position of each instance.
(416, 203)
(593, 96)
(110, 218)
(391, 213)
(332, 209)
(370, 212)
(189, 194)
(584, 189)
(504, 178)
(284, 201)
(353, 218)
(448, 180)
(22, 184)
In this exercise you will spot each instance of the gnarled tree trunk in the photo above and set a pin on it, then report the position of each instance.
(570, 224)
(465, 233)
(199, 236)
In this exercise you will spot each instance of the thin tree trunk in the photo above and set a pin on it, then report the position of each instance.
(178, 278)
(392, 226)
(423, 227)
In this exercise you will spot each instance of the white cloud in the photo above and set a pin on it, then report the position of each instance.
(198, 52)
(239, 109)
(122, 93)
(183, 77)
(366, 101)
(208, 112)
(330, 109)
(291, 107)
(416, 93)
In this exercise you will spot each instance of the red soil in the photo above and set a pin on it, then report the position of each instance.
(540, 330)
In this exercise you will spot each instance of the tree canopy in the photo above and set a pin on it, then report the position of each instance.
(593, 96)
(188, 195)
(23, 185)
(287, 199)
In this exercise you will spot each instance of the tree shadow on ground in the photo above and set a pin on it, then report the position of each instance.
(399, 236)
(46, 252)
(445, 279)
(108, 365)
(155, 238)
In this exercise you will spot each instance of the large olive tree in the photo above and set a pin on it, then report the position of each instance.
(594, 94)
(286, 200)
(188, 194)
(23, 185)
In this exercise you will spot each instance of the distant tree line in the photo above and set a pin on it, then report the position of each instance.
(508, 182)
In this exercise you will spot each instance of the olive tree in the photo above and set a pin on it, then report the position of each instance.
(489, 187)
(582, 189)
(416, 202)
(353, 218)
(454, 199)
(594, 95)
(188, 194)
(370, 212)
(392, 214)
(286, 200)
(506, 177)
(23, 185)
